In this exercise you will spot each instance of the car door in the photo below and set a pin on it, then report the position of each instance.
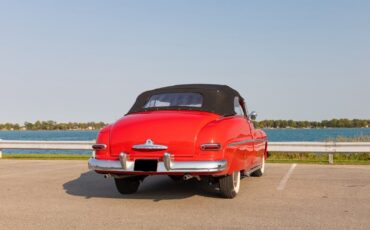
(246, 130)
(259, 144)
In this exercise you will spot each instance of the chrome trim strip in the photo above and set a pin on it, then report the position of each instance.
(180, 166)
(248, 173)
(149, 144)
(240, 142)
(259, 140)
(245, 142)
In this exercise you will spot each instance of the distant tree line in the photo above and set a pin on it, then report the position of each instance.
(53, 125)
(334, 123)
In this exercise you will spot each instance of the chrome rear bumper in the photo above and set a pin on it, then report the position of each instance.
(167, 165)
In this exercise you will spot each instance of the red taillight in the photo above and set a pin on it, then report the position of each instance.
(210, 147)
(98, 147)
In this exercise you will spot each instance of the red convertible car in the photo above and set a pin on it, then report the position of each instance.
(185, 131)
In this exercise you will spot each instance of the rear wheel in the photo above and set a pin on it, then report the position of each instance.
(128, 185)
(230, 185)
(259, 172)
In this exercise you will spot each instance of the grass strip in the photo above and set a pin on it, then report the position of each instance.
(306, 158)
(56, 156)
(320, 158)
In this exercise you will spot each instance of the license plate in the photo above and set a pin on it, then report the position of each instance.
(146, 165)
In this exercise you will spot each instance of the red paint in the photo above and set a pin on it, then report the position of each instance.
(184, 132)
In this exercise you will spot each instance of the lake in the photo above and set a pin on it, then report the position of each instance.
(273, 135)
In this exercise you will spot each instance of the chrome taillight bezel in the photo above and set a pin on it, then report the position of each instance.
(99, 147)
(210, 147)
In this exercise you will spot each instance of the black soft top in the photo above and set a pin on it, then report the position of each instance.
(217, 99)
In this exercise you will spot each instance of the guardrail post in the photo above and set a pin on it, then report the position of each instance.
(331, 158)
(1, 151)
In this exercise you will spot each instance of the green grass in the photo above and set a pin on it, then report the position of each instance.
(307, 158)
(47, 156)
(312, 158)
(320, 162)
(350, 139)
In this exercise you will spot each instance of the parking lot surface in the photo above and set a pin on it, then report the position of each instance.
(56, 194)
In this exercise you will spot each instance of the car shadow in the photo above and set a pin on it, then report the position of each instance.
(156, 188)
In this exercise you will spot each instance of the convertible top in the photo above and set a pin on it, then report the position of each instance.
(217, 99)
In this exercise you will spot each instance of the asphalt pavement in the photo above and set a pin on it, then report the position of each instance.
(56, 194)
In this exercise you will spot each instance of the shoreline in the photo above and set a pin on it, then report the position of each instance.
(35, 130)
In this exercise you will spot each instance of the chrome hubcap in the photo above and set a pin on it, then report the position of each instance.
(263, 165)
(236, 181)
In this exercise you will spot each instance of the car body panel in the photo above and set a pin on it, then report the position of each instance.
(177, 130)
(181, 133)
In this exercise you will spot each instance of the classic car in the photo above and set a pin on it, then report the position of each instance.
(197, 131)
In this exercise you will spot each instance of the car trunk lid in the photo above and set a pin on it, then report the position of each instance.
(151, 134)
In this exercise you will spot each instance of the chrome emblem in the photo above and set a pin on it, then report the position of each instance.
(149, 144)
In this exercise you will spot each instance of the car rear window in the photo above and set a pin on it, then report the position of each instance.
(175, 100)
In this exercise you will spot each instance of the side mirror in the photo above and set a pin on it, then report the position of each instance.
(253, 115)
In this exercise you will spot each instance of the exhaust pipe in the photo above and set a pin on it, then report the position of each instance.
(188, 177)
(106, 176)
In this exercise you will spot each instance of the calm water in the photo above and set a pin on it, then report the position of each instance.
(273, 135)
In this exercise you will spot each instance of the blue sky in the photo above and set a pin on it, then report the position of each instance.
(88, 60)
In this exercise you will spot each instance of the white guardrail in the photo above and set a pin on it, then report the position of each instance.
(46, 145)
(297, 147)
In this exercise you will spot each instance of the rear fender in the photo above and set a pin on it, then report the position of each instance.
(225, 131)
(103, 138)
(236, 161)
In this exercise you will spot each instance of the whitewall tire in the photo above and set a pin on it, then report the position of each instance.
(230, 185)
